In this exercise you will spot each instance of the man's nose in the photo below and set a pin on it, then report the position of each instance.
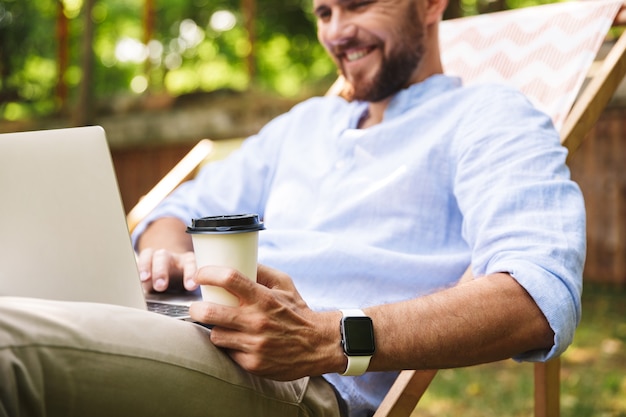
(339, 29)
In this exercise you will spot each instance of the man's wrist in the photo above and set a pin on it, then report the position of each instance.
(165, 233)
(330, 356)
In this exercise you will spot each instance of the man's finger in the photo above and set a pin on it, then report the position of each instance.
(273, 278)
(161, 262)
(188, 261)
(144, 264)
(230, 279)
(214, 314)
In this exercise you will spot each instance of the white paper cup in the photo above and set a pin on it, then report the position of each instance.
(231, 241)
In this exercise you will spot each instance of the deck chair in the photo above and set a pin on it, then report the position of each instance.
(546, 52)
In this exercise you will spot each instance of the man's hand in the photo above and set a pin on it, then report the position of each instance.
(166, 259)
(272, 333)
(161, 269)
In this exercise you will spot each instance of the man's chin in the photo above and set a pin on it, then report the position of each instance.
(372, 95)
(370, 90)
(361, 90)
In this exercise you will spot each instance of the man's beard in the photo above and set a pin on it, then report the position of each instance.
(395, 70)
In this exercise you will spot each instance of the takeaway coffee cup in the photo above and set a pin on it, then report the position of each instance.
(231, 241)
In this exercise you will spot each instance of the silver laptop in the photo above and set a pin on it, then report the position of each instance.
(63, 232)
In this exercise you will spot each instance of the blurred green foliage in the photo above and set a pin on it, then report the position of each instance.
(27, 50)
(196, 45)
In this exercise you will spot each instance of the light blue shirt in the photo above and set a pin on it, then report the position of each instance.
(452, 176)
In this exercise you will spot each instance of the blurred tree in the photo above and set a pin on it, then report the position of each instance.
(26, 50)
(62, 36)
(249, 10)
(121, 47)
(83, 113)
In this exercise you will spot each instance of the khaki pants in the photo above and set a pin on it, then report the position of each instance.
(90, 360)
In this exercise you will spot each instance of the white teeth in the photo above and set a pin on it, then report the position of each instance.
(353, 56)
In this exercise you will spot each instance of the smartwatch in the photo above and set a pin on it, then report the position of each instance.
(357, 340)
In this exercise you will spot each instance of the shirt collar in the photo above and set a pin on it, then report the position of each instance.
(419, 93)
(408, 98)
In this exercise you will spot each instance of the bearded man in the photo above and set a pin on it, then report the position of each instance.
(374, 207)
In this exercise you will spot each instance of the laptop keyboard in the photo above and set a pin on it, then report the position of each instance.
(172, 310)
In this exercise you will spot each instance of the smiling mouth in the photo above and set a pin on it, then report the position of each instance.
(356, 54)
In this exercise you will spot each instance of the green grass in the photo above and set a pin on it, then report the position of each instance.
(593, 372)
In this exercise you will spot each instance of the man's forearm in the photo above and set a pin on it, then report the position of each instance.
(166, 233)
(484, 320)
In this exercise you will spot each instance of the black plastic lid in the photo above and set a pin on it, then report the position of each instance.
(236, 223)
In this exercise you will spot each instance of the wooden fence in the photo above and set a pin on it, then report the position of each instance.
(598, 166)
(139, 169)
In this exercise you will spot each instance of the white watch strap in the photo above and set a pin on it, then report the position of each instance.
(352, 312)
(357, 365)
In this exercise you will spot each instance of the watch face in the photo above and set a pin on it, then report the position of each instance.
(358, 336)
